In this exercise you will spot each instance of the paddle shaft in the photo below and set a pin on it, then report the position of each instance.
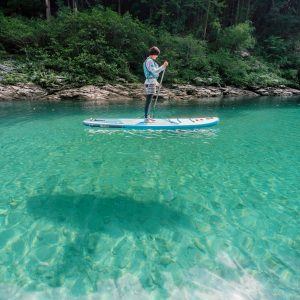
(160, 84)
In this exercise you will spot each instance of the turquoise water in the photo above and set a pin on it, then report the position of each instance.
(99, 214)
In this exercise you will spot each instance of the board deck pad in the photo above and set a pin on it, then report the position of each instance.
(157, 124)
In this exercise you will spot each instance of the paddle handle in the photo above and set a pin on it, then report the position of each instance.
(160, 84)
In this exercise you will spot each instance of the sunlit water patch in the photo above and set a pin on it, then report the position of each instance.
(121, 214)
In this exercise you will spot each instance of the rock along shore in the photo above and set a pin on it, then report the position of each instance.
(126, 92)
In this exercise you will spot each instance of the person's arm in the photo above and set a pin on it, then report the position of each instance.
(153, 69)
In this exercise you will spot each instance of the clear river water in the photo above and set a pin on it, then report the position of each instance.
(116, 214)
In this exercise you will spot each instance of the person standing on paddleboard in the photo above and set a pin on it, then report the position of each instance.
(151, 71)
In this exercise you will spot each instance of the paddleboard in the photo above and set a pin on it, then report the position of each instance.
(157, 124)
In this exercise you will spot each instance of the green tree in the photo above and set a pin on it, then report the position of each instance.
(237, 37)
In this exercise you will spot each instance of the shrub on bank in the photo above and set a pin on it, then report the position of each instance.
(98, 45)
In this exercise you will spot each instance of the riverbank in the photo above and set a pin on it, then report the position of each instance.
(127, 91)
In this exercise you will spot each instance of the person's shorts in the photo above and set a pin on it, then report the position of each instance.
(150, 89)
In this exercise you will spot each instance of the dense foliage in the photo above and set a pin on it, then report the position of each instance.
(244, 43)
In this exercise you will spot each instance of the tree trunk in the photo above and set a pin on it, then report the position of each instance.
(75, 6)
(119, 7)
(206, 19)
(150, 14)
(248, 10)
(237, 15)
(273, 4)
(48, 9)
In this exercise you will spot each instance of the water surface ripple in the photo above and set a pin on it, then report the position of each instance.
(116, 214)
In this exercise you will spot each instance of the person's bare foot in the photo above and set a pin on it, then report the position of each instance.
(149, 120)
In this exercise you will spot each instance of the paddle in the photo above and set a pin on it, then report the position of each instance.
(160, 84)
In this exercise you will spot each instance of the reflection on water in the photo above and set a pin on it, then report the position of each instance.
(163, 134)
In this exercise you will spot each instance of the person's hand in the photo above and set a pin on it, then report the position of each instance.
(165, 64)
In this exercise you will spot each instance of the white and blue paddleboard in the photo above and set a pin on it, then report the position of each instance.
(157, 124)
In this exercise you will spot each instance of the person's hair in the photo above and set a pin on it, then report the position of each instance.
(154, 51)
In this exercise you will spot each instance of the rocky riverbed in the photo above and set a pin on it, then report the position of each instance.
(126, 92)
